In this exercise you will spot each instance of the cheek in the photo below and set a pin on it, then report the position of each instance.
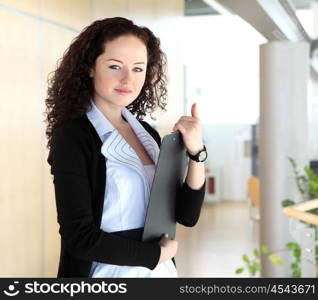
(140, 82)
(104, 81)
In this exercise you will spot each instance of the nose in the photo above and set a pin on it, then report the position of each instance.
(126, 76)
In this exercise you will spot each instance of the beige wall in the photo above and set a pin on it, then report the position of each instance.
(34, 35)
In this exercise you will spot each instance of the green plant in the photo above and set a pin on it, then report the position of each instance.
(307, 185)
(312, 183)
(253, 265)
(296, 251)
(301, 181)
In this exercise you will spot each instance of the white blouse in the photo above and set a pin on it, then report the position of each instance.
(128, 186)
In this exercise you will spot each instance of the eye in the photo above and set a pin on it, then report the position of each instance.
(116, 67)
(139, 69)
(112, 67)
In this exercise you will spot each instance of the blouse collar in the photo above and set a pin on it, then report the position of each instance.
(103, 126)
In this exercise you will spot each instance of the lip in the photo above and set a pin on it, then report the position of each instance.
(123, 91)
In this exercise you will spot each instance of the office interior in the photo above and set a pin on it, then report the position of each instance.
(252, 68)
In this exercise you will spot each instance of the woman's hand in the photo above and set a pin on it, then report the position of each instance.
(168, 248)
(191, 130)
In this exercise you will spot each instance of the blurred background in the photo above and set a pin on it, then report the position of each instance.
(250, 66)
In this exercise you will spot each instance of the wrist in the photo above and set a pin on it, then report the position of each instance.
(196, 150)
(162, 255)
(200, 156)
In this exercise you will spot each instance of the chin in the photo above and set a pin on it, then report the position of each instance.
(124, 102)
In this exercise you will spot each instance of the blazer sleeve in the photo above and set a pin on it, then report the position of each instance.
(188, 201)
(188, 204)
(69, 159)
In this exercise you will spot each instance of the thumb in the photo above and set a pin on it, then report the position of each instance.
(195, 111)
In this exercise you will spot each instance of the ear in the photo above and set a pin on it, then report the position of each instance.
(91, 73)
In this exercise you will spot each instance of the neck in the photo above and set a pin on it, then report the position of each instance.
(112, 113)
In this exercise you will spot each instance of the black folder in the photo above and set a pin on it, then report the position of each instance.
(168, 179)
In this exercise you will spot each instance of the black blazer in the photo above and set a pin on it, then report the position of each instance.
(79, 171)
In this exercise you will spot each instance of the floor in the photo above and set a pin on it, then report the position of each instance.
(215, 245)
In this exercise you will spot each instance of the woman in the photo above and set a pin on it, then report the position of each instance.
(103, 156)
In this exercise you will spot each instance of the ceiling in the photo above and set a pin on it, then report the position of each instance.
(199, 7)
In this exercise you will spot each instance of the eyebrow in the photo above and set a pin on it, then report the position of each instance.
(122, 62)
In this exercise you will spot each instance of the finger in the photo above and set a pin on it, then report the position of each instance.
(180, 128)
(176, 126)
(195, 111)
(185, 120)
(188, 118)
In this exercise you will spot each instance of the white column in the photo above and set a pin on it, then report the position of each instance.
(284, 70)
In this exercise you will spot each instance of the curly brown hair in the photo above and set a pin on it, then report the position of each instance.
(71, 89)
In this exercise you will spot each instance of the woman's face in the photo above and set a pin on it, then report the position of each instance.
(120, 71)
